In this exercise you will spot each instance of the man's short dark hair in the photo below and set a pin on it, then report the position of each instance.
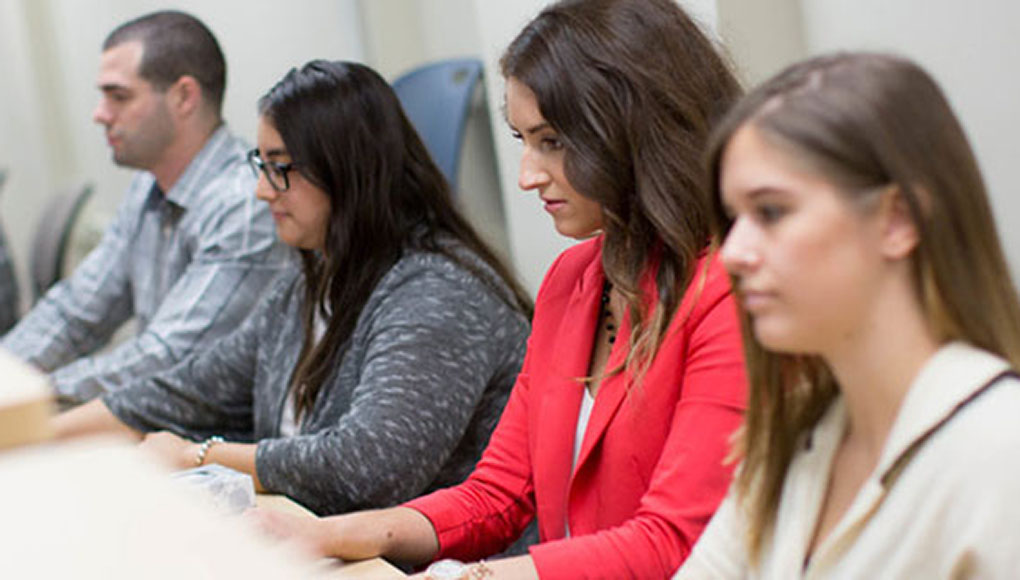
(175, 44)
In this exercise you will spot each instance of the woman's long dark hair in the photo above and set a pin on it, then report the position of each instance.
(633, 88)
(347, 133)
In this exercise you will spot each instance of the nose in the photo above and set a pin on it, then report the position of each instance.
(532, 175)
(263, 190)
(101, 114)
(739, 251)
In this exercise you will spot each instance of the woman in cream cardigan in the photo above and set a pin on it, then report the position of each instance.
(881, 333)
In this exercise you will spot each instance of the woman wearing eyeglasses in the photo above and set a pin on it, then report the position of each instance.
(377, 371)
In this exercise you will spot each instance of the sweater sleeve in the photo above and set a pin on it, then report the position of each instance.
(430, 348)
(210, 392)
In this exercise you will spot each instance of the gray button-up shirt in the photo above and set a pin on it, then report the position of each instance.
(188, 264)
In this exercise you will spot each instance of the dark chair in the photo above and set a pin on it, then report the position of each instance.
(53, 237)
(437, 100)
(8, 280)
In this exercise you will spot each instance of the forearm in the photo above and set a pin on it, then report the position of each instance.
(93, 418)
(398, 533)
(237, 456)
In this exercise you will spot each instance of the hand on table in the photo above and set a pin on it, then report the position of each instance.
(300, 529)
(172, 450)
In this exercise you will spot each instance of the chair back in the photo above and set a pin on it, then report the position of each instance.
(437, 100)
(9, 302)
(53, 237)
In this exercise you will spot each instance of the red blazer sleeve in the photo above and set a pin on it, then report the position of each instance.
(648, 488)
(691, 477)
(490, 510)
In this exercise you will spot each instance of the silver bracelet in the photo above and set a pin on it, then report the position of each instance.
(203, 449)
(450, 569)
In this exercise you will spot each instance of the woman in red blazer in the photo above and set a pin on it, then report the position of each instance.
(616, 432)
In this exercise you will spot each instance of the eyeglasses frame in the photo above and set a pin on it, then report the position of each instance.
(282, 169)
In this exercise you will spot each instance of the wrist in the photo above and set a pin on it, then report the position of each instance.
(457, 570)
(323, 537)
(201, 452)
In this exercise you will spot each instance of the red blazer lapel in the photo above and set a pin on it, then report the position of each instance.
(613, 390)
(566, 356)
(611, 394)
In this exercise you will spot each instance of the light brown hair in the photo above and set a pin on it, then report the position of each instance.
(864, 122)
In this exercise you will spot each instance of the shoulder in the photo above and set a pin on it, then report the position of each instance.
(568, 270)
(966, 463)
(710, 285)
(573, 262)
(982, 433)
(283, 296)
(707, 302)
(287, 285)
(962, 483)
(137, 193)
(430, 280)
(222, 178)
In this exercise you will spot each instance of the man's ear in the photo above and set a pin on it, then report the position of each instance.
(899, 231)
(185, 96)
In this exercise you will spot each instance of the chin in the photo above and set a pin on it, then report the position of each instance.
(576, 233)
(779, 340)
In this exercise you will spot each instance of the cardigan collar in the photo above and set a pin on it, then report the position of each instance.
(952, 377)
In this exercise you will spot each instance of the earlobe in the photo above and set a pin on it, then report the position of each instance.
(899, 231)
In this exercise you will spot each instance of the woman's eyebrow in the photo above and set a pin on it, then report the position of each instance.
(539, 127)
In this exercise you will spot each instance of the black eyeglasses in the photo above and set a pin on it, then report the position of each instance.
(276, 173)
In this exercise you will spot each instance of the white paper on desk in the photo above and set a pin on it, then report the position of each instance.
(230, 490)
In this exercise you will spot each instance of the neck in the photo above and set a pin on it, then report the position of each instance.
(179, 153)
(876, 364)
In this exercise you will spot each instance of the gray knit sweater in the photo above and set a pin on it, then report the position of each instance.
(420, 385)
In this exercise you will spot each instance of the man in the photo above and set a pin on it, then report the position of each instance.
(189, 250)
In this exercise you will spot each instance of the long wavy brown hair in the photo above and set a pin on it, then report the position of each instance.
(865, 122)
(633, 88)
(347, 133)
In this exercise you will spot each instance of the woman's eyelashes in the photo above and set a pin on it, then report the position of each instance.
(550, 143)
(769, 213)
(546, 143)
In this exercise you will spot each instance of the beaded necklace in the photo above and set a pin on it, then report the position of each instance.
(607, 313)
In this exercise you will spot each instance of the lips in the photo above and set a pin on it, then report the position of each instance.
(553, 205)
(756, 300)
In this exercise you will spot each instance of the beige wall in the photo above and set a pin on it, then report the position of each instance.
(973, 51)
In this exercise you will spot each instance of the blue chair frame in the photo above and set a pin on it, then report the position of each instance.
(437, 100)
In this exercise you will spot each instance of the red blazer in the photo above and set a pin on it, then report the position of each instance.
(650, 473)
